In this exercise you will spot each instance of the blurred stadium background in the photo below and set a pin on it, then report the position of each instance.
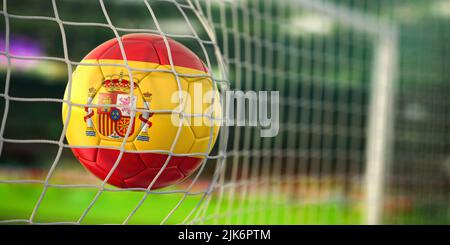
(365, 112)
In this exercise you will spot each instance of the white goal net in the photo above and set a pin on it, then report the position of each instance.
(364, 118)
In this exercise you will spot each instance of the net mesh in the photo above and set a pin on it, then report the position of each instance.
(363, 137)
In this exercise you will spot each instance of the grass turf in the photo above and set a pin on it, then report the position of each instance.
(68, 204)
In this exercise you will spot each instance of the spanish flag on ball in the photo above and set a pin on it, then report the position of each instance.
(109, 108)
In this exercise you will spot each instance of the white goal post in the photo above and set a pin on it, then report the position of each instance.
(382, 103)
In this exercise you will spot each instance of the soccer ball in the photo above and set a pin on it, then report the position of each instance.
(102, 115)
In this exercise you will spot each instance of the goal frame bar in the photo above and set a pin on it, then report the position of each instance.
(380, 127)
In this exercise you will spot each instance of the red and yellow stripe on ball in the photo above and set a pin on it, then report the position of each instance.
(101, 80)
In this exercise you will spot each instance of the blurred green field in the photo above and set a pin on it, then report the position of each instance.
(67, 205)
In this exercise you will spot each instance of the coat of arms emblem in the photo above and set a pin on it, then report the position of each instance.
(114, 111)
